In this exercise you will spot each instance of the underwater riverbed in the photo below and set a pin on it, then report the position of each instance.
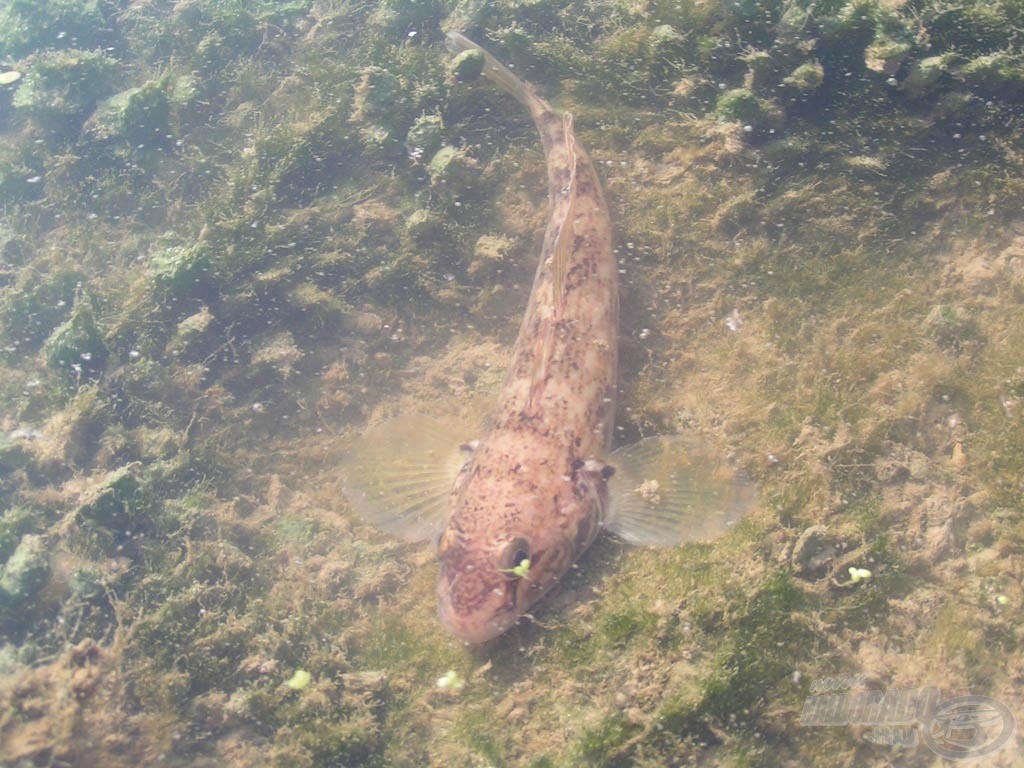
(233, 236)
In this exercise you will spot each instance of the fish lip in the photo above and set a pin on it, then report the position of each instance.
(475, 630)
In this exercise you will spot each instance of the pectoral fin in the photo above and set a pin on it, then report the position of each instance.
(399, 475)
(673, 489)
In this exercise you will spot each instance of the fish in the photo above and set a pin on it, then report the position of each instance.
(513, 510)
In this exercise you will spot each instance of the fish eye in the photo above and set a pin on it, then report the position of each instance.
(514, 554)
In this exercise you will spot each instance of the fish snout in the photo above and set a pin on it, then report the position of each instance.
(474, 623)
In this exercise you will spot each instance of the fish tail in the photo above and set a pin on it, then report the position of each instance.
(496, 72)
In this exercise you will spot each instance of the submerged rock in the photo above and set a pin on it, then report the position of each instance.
(139, 115)
(26, 570)
(806, 78)
(812, 552)
(738, 104)
(64, 84)
(113, 504)
(425, 137)
(466, 67)
(76, 347)
(453, 171)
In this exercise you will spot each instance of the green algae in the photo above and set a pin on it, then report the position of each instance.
(62, 87)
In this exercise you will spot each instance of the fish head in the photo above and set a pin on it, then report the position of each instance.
(493, 573)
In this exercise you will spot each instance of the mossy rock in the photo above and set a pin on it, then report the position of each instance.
(1002, 71)
(925, 74)
(25, 572)
(885, 54)
(139, 115)
(425, 137)
(845, 36)
(466, 67)
(15, 522)
(762, 69)
(36, 24)
(666, 49)
(38, 305)
(453, 171)
(180, 273)
(426, 229)
(377, 95)
(806, 78)
(62, 86)
(76, 348)
(739, 104)
(114, 504)
(192, 337)
(184, 91)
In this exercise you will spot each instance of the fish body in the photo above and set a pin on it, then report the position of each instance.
(535, 485)
(535, 489)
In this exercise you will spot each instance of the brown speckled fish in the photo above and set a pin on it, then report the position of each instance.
(536, 489)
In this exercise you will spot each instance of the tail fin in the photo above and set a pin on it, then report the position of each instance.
(495, 71)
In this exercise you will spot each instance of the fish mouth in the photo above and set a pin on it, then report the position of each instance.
(476, 629)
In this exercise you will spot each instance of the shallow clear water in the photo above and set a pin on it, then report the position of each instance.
(235, 237)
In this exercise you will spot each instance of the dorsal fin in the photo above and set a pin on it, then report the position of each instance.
(562, 252)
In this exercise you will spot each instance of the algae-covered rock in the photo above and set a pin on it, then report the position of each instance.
(76, 346)
(466, 67)
(180, 272)
(995, 71)
(376, 96)
(191, 336)
(26, 571)
(185, 90)
(297, 160)
(925, 74)
(762, 69)
(665, 51)
(812, 552)
(845, 36)
(139, 115)
(64, 85)
(739, 104)
(113, 504)
(664, 40)
(453, 171)
(38, 304)
(425, 137)
(885, 54)
(425, 229)
(29, 26)
(71, 435)
(806, 78)
(14, 524)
